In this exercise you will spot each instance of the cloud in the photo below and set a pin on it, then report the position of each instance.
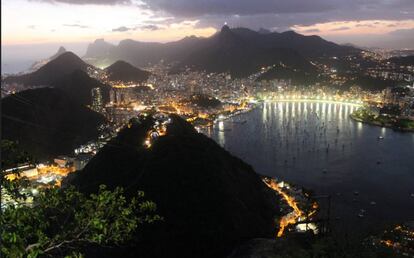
(281, 13)
(340, 28)
(193, 8)
(151, 27)
(76, 26)
(86, 2)
(311, 31)
(145, 27)
(365, 25)
(32, 27)
(122, 29)
(403, 32)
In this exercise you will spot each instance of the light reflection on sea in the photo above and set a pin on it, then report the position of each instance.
(297, 141)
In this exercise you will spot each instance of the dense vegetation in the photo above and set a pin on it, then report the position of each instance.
(47, 122)
(64, 222)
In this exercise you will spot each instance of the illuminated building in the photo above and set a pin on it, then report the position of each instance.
(97, 102)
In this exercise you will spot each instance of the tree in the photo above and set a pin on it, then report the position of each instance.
(65, 220)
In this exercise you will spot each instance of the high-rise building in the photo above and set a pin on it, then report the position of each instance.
(112, 96)
(97, 102)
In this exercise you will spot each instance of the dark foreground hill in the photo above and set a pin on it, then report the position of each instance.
(46, 122)
(62, 65)
(125, 72)
(402, 60)
(78, 85)
(211, 201)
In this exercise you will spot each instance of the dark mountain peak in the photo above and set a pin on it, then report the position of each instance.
(252, 49)
(68, 60)
(66, 57)
(228, 38)
(60, 51)
(100, 41)
(78, 85)
(120, 64)
(41, 63)
(291, 33)
(225, 29)
(125, 72)
(264, 31)
(98, 48)
(55, 69)
(47, 117)
(210, 200)
(127, 41)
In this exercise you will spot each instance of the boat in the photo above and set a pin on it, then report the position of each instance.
(356, 193)
(380, 137)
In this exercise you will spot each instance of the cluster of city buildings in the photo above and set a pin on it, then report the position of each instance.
(203, 98)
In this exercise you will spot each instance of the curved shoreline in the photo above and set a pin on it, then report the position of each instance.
(314, 100)
(397, 129)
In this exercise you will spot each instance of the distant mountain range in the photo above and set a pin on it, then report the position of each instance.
(62, 65)
(52, 121)
(47, 122)
(125, 72)
(41, 63)
(402, 60)
(239, 51)
(211, 201)
(67, 72)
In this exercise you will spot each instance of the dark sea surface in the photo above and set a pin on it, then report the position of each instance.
(317, 146)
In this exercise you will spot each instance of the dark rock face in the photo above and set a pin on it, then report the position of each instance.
(240, 51)
(125, 72)
(78, 85)
(62, 65)
(46, 122)
(211, 201)
(402, 60)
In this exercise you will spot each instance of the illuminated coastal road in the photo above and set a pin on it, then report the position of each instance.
(290, 218)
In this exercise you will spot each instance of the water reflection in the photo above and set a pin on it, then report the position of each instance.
(317, 145)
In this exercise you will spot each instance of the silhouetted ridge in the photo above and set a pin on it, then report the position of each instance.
(78, 85)
(47, 122)
(60, 51)
(62, 65)
(210, 200)
(402, 60)
(125, 72)
(230, 43)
